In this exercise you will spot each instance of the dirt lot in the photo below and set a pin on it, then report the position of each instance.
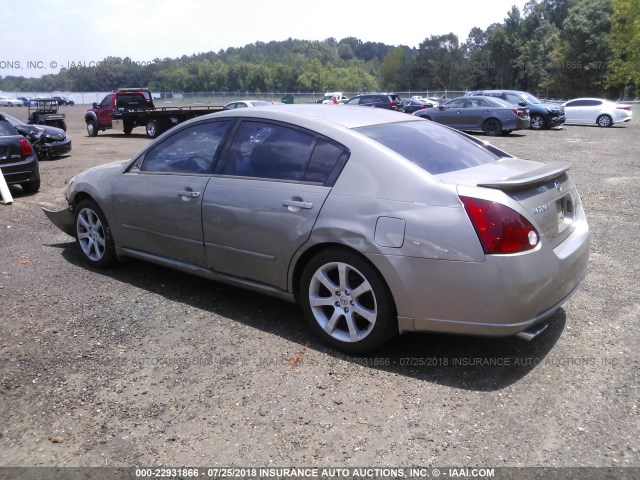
(140, 365)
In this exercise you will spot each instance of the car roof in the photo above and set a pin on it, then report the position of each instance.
(589, 98)
(348, 117)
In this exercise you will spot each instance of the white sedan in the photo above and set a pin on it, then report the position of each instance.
(596, 111)
(10, 102)
(246, 104)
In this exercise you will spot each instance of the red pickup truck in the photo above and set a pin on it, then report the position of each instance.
(133, 107)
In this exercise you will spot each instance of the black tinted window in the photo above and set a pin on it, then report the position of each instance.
(192, 150)
(324, 159)
(432, 147)
(6, 128)
(584, 103)
(266, 150)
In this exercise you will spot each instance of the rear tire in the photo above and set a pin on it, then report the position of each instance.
(347, 302)
(153, 129)
(604, 121)
(492, 127)
(93, 235)
(33, 185)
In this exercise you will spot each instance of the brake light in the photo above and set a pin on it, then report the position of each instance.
(26, 147)
(500, 229)
(626, 107)
(393, 105)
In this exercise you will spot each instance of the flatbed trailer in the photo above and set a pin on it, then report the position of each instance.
(129, 108)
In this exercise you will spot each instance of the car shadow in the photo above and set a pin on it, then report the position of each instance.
(464, 362)
(17, 192)
(54, 159)
(121, 135)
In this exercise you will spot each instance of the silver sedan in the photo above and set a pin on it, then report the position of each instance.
(376, 223)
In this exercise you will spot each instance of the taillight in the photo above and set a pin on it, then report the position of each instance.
(26, 147)
(515, 111)
(422, 107)
(393, 105)
(626, 107)
(500, 228)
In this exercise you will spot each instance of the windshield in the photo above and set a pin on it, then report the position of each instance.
(432, 147)
(530, 98)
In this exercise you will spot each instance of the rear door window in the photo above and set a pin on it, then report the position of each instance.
(272, 151)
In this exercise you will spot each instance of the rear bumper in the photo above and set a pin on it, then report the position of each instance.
(63, 219)
(502, 296)
(20, 172)
(522, 124)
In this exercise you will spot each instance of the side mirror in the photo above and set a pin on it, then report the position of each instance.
(522, 104)
(94, 105)
(441, 107)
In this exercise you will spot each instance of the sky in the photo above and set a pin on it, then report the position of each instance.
(66, 33)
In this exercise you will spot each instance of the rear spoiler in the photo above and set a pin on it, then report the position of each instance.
(545, 172)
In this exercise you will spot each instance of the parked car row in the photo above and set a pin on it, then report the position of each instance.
(23, 145)
(18, 159)
(503, 111)
(490, 115)
(10, 102)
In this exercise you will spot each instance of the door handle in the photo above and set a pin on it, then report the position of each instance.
(296, 205)
(189, 194)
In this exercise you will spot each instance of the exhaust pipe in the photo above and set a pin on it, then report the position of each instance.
(532, 332)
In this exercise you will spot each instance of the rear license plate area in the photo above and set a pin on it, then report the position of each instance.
(565, 211)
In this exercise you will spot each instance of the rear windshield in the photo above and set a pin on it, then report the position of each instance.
(432, 147)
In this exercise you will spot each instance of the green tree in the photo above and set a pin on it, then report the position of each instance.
(625, 45)
(393, 71)
(584, 52)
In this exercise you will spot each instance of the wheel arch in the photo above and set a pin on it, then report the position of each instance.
(90, 116)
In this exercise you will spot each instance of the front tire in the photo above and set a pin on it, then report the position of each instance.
(537, 122)
(492, 127)
(94, 235)
(347, 302)
(604, 121)
(92, 128)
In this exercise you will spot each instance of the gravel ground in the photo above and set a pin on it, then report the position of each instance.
(140, 365)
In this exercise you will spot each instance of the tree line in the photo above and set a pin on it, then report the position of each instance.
(556, 48)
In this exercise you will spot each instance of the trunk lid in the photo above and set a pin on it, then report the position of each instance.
(10, 150)
(544, 190)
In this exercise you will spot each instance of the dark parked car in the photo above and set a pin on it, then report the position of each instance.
(64, 101)
(411, 105)
(376, 223)
(25, 101)
(490, 115)
(543, 115)
(48, 142)
(18, 159)
(390, 101)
